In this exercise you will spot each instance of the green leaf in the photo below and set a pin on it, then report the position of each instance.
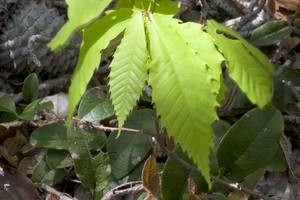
(220, 128)
(89, 11)
(7, 104)
(102, 173)
(93, 172)
(278, 162)
(174, 177)
(52, 136)
(94, 108)
(128, 69)
(30, 110)
(181, 90)
(251, 142)
(205, 49)
(95, 38)
(30, 88)
(247, 66)
(58, 159)
(42, 172)
(130, 149)
(270, 33)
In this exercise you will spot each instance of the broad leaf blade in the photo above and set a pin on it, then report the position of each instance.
(58, 159)
(150, 176)
(131, 149)
(7, 104)
(247, 66)
(174, 177)
(181, 90)
(81, 155)
(80, 13)
(95, 38)
(42, 172)
(53, 136)
(251, 143)
(205, 48)
(102, 173)
(93, 172)
(128, 69)
(30, 110)
(270, 33)
(30, 88)
(95, 107)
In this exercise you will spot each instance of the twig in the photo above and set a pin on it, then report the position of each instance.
(292, 119)
(251, 15)
(111, 129)
(224, 110)
(133, 188)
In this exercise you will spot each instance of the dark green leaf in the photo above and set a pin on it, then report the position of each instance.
(251, 142)
(94, 108)
(30, 88)
(102, 173)
(130, 149)
(292, 75)
(81, 155)
(57, 159)
(220, 128)
(93, 172)
(174, 177)
(30, 110)
(7, 104)
(53, 136)
(270, 33)
(278, 162)
(42, 172)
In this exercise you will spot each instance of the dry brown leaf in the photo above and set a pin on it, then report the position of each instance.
(150, 177)
(16, 186)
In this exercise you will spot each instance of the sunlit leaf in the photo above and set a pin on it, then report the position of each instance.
(128, 68)
(95, 38)
(247, 66)
(181, 90)
(80, 13)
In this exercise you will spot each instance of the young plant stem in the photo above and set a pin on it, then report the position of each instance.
(225, 109)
